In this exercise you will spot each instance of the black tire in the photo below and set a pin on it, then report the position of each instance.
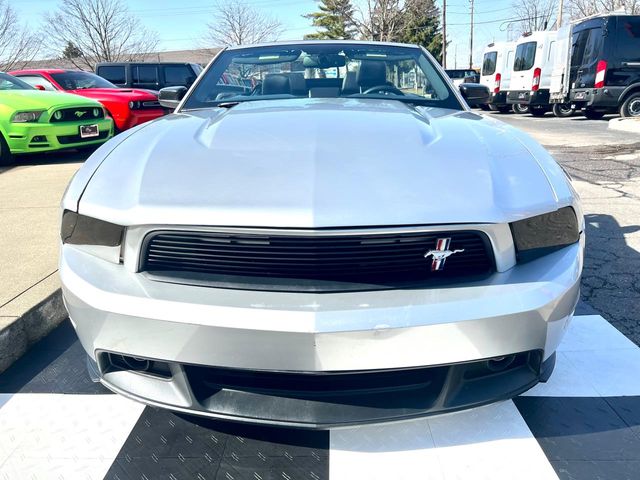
(563, 110)
(6, 158)
(484, 107)
(631, 106)
(520, 109)
(538, 111)
(504, 108)
(593, 114)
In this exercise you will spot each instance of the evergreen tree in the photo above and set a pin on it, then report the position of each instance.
(71, 51)
(421, 26)
(335, 21)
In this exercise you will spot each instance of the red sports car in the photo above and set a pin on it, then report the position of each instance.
(128, 107)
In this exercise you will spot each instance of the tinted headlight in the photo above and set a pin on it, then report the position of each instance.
(82, 230)
(135, 105)
(543, 234)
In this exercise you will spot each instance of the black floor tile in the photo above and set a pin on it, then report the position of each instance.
(163, 444)
(597, 470)
(56, 364)
(579, 429)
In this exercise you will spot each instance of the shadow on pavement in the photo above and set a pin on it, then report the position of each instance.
(610, 281)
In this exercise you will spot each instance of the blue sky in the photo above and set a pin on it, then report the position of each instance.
(181, 25)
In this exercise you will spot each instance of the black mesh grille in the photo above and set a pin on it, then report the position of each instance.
(295, 262)
(77, 114)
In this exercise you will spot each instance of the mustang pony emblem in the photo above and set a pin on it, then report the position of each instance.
(440, 254)
(80, 113)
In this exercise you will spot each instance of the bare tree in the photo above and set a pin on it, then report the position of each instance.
(584, 8)
(101, 30)
(237, 23)
(534, 15)
(18, 46)
(380, 19)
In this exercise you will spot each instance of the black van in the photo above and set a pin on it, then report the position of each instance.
(605, 66)
(151, 76)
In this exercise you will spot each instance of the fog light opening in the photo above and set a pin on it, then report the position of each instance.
(137, 364)
(498, 364)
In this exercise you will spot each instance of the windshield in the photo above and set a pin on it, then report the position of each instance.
(81, 80)
(328, 70)
(7, 82)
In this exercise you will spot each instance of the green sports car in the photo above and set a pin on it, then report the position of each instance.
(33, 121)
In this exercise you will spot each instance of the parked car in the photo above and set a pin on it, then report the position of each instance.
(127, 107)
(460, 76)
(531, 77)
(150, 75)
(32, 121)
(319, 251)
(497, 68)
(605, 66)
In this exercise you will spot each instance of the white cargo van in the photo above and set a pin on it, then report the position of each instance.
(497, 67)
(532, 66)
(559, 87)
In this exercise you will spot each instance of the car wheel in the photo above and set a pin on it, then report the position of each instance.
(6, 158)
(593, 114)
(631, 106)
(563, 110)
(520, 109)
(538, 111)
(484, 107)
(504, 109)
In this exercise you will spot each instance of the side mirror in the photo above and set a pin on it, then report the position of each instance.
(39, 87)
(474, 93)
(170, 97)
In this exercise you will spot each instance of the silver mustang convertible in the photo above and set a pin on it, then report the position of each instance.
(322, 234)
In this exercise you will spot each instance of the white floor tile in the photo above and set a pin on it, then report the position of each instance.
(566, 381)
(4, 398)
(22, 468)
(592, 332)
(75, 436)
(610, 372)
(488, 443)
(395, 451)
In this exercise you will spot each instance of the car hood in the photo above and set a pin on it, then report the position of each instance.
(36, 99)
(122, 94)
(313, 163)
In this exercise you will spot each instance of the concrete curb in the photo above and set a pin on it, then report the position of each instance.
(631, 125)
(22, 332)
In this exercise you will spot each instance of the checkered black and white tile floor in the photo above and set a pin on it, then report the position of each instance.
(584, 424)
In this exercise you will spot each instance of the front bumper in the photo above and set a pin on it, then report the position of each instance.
(137, 117)
(23, 137)
(528, 97)
(256, 335)
(607, 99)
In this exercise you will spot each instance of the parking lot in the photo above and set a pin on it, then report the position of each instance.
(583, 424)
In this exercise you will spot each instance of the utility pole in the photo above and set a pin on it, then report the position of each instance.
(560, 8)
(444, 33)
(471, 39)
